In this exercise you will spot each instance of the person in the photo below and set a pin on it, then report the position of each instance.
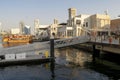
(110, 40)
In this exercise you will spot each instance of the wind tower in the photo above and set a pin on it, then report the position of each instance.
(36, 25)
(71, 12)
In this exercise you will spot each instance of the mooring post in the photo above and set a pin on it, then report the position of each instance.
(94, 51)
(52, 47)
(52, 68)
(52, 63)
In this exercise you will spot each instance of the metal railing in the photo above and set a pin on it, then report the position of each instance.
(44, 45)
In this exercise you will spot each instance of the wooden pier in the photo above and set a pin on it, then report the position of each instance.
(31, 60)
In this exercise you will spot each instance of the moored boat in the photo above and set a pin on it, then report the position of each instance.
(16, 39)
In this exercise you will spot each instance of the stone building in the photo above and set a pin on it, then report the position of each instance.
(115, 25)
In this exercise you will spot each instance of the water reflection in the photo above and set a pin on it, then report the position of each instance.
(70, 64)
(12, 44)
(71, 55)
(52, 68)
(78, 59)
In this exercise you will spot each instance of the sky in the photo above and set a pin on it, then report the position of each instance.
(12, 12)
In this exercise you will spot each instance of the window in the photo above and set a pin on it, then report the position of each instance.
(78, 22)
(69, 33)
(86, 24)
(83, 25)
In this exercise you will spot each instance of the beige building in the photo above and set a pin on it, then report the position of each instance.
(100, 24)
(100, 21)
(80, 25)
(72, 12)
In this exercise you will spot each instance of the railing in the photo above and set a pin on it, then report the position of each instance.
(71, 41)
(44, 45)
(105, 40)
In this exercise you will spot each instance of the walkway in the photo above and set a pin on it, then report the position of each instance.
(44, 45)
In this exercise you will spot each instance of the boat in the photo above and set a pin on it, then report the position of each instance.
(16, 39)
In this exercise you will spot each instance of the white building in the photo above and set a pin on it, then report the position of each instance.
(79, 23)
(74, 27)
(83, 24)
(36, 25)
(15, 31)
(64, 31)
(53, 28)
(41, 31)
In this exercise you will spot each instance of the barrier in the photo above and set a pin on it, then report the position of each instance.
(21, 56)
(9, 56)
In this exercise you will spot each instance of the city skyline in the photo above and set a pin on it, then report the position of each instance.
(15, 11)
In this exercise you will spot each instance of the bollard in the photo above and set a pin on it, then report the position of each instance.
(52, 47)
(93, 55)
(52, 64)
(96, 53)
(46, 54)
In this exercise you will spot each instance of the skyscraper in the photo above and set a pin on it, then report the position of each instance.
(22, 27)
(27, 30)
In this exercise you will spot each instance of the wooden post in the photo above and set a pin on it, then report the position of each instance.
(52, 68)
(52, 63)
(96, 53)
(93, 55)
(52, 47)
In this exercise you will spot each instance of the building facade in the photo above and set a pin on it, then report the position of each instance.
(115, 26)
(53, 28)
(100, 24)
(15, 31)
(84, 24)
(27, 30)
(78, 23)
(100, 21)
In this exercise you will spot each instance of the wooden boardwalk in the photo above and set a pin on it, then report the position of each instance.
(30, 60)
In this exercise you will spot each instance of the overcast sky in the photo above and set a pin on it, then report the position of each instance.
(14, 11)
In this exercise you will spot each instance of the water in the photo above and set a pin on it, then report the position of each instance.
(71, 64)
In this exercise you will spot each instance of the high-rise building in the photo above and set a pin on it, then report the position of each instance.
(22, 27)
(27, 30)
